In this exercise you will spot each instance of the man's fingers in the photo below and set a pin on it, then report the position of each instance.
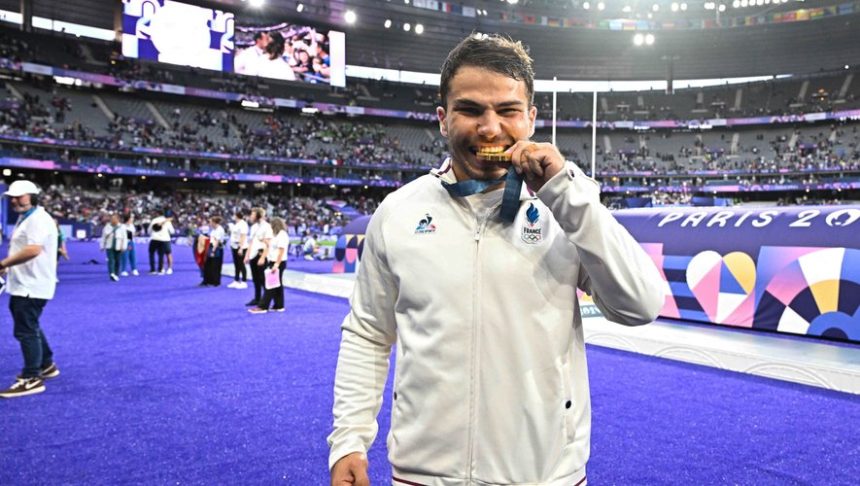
(533, 158)
(359, 472)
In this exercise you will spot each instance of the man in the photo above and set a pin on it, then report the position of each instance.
(239, 246)
(160, 231)
(32, 279)
(309, 247)
(248, 61)
(479, 294)
(261, 234)
(114, 242)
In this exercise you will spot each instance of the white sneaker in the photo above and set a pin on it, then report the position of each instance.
(161, 272)
(124, 274)
(135, 272)
(170, 271)
(233, 285)
(114, 277)
(242, 285)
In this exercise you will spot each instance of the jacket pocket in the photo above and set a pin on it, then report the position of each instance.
(567, 397)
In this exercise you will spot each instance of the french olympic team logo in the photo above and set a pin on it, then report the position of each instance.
(532, 232)
(425, 226)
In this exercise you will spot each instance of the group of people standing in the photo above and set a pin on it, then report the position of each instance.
(263, 246)
(118, 243)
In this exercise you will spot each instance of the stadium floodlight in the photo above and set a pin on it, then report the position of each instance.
(649, 39)
(759, 3)
(736, 4)
(655, 7)
(407, 26)
(419, 29)
(601, 6)
(638, 40)
(387, 23)
(300, 8)
(627, 9)
(675, 6)
(513, 2)
(683, 7)
(256, 3)
(586, 5)
(722, 7)
(350, 17)
(744, 3)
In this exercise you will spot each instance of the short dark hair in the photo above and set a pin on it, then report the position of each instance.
(495, 53)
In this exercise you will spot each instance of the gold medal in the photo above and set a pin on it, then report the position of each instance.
(494, 154)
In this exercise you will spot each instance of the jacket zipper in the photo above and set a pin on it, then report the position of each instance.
(479, 230)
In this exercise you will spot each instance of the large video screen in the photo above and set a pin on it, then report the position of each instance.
(177, 33)
(291, 52)
(188, 35)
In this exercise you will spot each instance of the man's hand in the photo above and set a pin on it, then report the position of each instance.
(350, 469)
(538, 162)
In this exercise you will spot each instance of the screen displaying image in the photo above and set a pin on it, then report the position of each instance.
(291, 52)
(177, 33)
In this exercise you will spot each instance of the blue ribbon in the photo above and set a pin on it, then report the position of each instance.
(510, 199)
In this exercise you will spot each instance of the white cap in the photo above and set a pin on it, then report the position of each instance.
(19, 188)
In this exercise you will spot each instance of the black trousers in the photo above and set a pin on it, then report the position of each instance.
(240, 271)
(276, 294)
(258, 277)
(160, 247)
(153, 248)
(212, 268)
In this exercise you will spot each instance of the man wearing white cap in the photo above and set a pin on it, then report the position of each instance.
(32, 269)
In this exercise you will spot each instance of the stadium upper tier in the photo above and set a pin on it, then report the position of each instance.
(566, 40)
(110, 129)
(98, 130)
(821, 91)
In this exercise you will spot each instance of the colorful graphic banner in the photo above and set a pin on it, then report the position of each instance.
(792, 270)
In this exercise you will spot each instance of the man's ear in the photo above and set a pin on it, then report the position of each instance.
(532, 118)
(442, 116)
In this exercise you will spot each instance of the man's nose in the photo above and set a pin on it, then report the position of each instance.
(489, 125)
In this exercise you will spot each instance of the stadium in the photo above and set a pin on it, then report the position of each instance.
(196, 154)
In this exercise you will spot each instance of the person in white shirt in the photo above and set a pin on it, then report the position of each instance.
(261, 233)
(215, 258)
(309, 248)
(160, 231)
(239, 246)
(32, 279)
(129, 256)
(471, 273)
(275, 258)
(273, 65)
(114, 242)
(247, 61)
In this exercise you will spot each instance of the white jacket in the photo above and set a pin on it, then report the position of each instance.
(490, 385)
(114, 237)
